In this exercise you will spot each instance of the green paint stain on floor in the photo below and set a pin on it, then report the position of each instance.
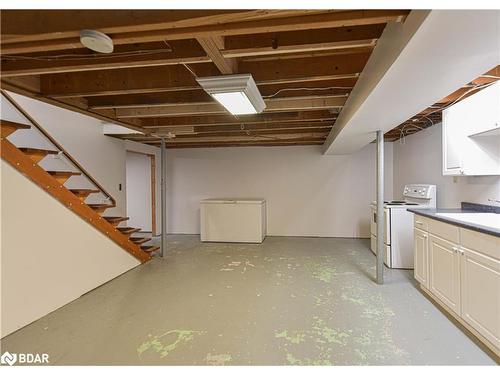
(357, 301)
(167, 342)
(218, 359)
(328, 334)
(321, 271)
(295, 338)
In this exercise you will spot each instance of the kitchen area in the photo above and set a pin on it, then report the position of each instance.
(447, 231)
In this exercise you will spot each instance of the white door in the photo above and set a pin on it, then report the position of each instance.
(139, 195)
(421, 256)
(444, 272)
(480, 292)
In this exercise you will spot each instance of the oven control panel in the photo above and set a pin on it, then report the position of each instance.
(419, 191)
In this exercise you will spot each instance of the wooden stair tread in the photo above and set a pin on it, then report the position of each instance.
(101, 205)
(115, 219)
(150, 248)
(29, 150)
(128, 230)
(9, 127)
(139, 240)
(84, 191)
(63, 173)
(15, 124)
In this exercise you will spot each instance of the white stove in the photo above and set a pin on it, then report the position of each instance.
(398, 233)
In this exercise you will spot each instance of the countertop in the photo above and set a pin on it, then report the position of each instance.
(432, 214)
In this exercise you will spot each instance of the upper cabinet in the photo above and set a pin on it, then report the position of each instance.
(471, 134)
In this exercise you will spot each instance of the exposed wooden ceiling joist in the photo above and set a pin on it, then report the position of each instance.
(301, 41)
(269, 25)
(228, 120)
(261, 143)
(177, 78)
(284, 137)
(213, 46)
(195, 96)
(304, 62)
(308, 103)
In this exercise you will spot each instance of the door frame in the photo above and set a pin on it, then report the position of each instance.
(152, 158)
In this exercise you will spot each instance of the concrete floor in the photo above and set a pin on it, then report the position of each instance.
(289, 301)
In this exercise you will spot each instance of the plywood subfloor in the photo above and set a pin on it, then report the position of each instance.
(289, 301)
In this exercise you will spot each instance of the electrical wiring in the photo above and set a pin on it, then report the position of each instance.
(306, 89)
(437, 108)
(92, 56)
(76, 56)
(190, 70)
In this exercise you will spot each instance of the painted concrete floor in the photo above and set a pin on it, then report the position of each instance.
(289, 301)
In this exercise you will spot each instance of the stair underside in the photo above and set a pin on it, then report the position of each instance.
(9, 127)
(51, 182)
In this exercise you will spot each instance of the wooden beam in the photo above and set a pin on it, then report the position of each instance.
(241, 46)
(272, 105)
(177, 78)
(183, 52)
(195, 97)
(233, 132)
(245, 128)
(11, 85)
(213, 46)
(228, 120)
(227, 27)
(262, 143)
(301, 41)
(238, 138)
(33, 25)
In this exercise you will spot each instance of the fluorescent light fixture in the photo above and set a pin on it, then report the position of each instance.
(237, 93)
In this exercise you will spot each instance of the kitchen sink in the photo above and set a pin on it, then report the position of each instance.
(486, 219)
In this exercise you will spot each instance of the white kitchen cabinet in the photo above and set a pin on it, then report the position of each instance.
(471, 140)
(444, 272)
(421, 254)
(486, 107)
(460, 269)
(480, 293)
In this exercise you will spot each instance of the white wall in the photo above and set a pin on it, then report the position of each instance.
(102, 156)
(50, 256)
(139, 210)
(307, 194)
(419, 160)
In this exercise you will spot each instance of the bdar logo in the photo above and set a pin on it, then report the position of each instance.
(8, 359)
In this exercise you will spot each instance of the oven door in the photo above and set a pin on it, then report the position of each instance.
(373, 224)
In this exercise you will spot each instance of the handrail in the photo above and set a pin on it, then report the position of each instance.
(58, 146)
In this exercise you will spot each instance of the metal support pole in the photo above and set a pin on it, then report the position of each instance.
(163, 182)
(380, 207)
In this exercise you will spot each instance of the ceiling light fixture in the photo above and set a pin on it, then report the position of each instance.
(96, 41)
(237, 93)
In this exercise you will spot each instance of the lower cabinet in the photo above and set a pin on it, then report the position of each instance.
(480, 287)
(464, 276)
(444, 270)
(421, 254)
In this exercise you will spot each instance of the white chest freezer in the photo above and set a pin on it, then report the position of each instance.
(233, 220)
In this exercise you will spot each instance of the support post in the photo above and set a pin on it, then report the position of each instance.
(163, 182)
(380, 208)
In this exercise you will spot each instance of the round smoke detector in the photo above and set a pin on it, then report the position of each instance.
(96, 41)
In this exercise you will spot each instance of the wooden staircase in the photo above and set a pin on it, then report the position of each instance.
(26, 161)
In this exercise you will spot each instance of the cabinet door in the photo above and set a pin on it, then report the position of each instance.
(480, 293)
(453, 138)
(421, 256)
(444, 272)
